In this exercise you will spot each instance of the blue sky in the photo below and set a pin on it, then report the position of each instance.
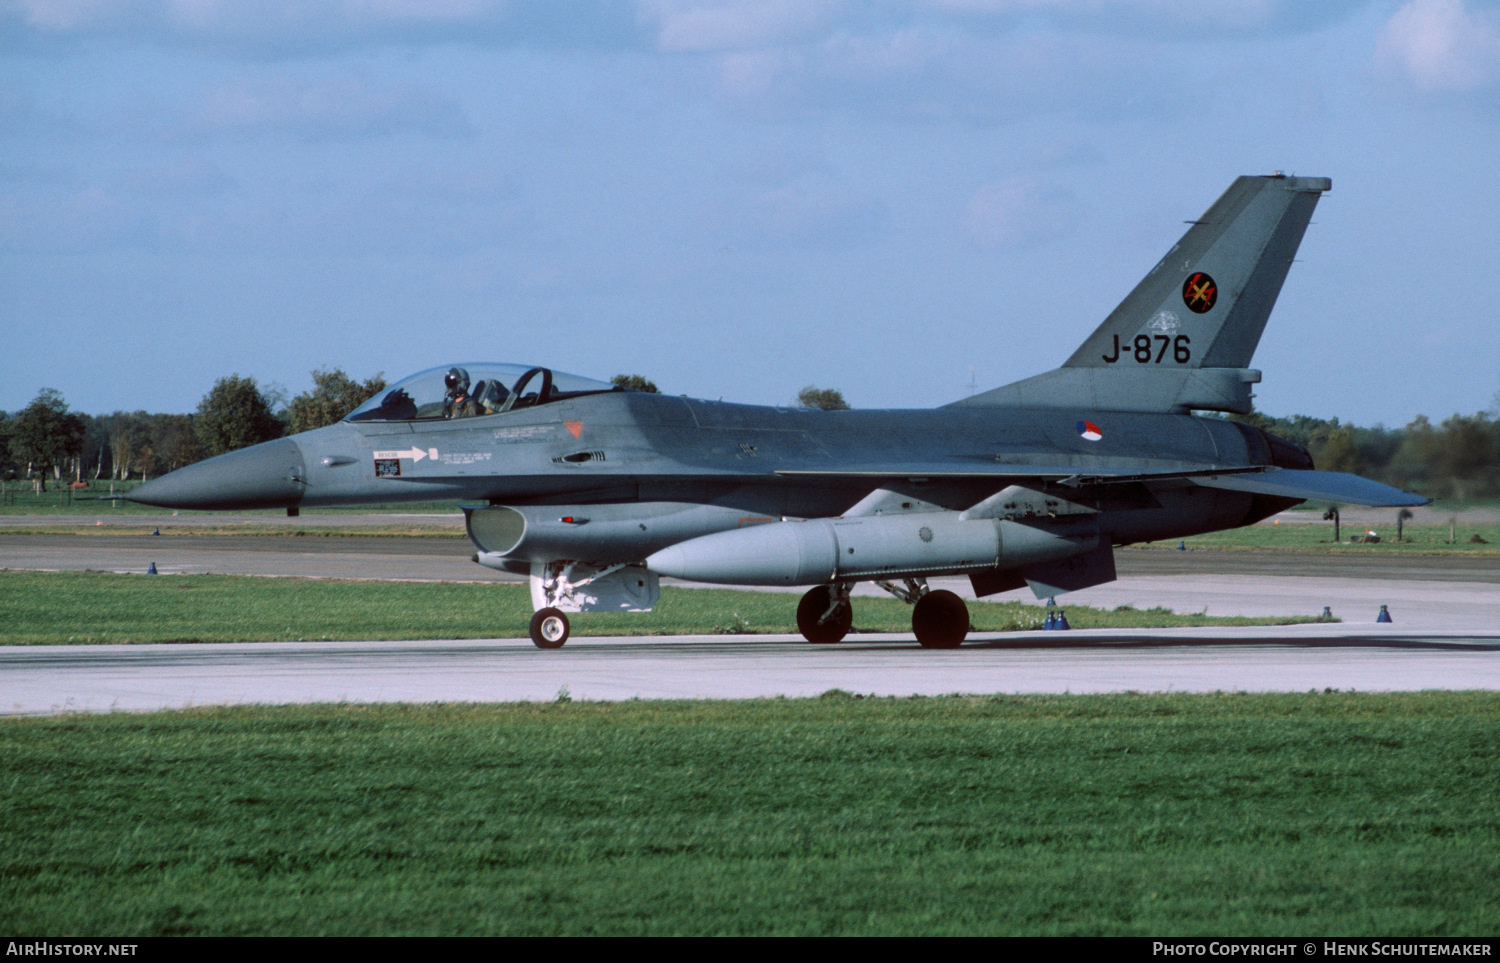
(735, 199)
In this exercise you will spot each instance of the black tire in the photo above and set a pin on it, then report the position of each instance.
(940, 620)
(812, 607)
(549, 629)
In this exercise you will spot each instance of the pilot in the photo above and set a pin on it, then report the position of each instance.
(457, 383)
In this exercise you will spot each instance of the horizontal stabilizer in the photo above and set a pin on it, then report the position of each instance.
(1331, 486)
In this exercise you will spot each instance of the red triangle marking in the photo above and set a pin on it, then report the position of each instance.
(576, 427)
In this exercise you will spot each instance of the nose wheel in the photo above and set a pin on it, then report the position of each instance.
(549, 629)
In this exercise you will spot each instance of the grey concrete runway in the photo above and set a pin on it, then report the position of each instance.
(1446, 636)
(52, 679)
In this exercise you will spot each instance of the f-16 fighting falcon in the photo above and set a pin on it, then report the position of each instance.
(595, 492)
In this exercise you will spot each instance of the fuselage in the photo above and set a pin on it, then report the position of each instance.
(658, 456)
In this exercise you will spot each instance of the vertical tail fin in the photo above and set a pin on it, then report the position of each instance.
(1184, 337)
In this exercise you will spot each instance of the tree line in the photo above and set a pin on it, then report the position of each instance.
(1458, 457)
(47, 440)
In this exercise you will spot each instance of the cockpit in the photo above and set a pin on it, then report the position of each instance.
(474, 390)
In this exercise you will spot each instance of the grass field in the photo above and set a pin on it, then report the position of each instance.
(57, 608)
(1317, 814)
(1302, 537)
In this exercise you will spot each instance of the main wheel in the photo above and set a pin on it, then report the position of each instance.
(811, 609)
(549, 629)
(940, 619)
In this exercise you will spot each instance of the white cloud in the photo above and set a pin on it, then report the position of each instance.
(1182, 20)
(221, 16)
(711, 25)
(283, 28)
(930, 74)
(1227, 11)
(685, 26)
(794, 216)
(336, 108)
(178, 177)
(1017, 212)
(217, 16)
(58, 16)
(1442, 46)
(80, 220)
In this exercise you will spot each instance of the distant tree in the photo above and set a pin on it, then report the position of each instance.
(140, 442)
(1374, 448)
(176, 441)
(234, 414)
(127, 435)
(7, 469)
(635, 382)
(828, 399)
(1410, 466)
(44, 433)
(95, 454)
(1467, 454)
(334, 395)
(1335, 451)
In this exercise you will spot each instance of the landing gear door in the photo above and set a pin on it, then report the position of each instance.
(580, 587)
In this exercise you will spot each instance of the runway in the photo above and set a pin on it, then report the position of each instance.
(1446, 635)
(93, 678)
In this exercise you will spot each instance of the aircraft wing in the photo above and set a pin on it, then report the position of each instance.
(1005, 471)
(1332, 486)
(1258, 480)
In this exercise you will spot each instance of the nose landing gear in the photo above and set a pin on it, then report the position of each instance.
(549, 629)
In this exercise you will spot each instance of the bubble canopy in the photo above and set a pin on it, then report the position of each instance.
(473, 390)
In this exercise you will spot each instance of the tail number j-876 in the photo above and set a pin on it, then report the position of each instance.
(1143, 349)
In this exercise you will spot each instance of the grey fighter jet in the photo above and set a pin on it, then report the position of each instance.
(595, 492)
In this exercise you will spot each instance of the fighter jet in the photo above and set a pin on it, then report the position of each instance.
(595, 492)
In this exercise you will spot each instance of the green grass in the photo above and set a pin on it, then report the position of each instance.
(90, 607)
(1303, 537)
(1437, 504)
(1328, 814)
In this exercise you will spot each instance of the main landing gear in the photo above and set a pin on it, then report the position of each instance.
(939, 618)
(824, 615)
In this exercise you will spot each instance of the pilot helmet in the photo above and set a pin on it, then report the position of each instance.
(457, 381)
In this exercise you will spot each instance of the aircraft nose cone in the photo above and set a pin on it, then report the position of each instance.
(268, 475)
